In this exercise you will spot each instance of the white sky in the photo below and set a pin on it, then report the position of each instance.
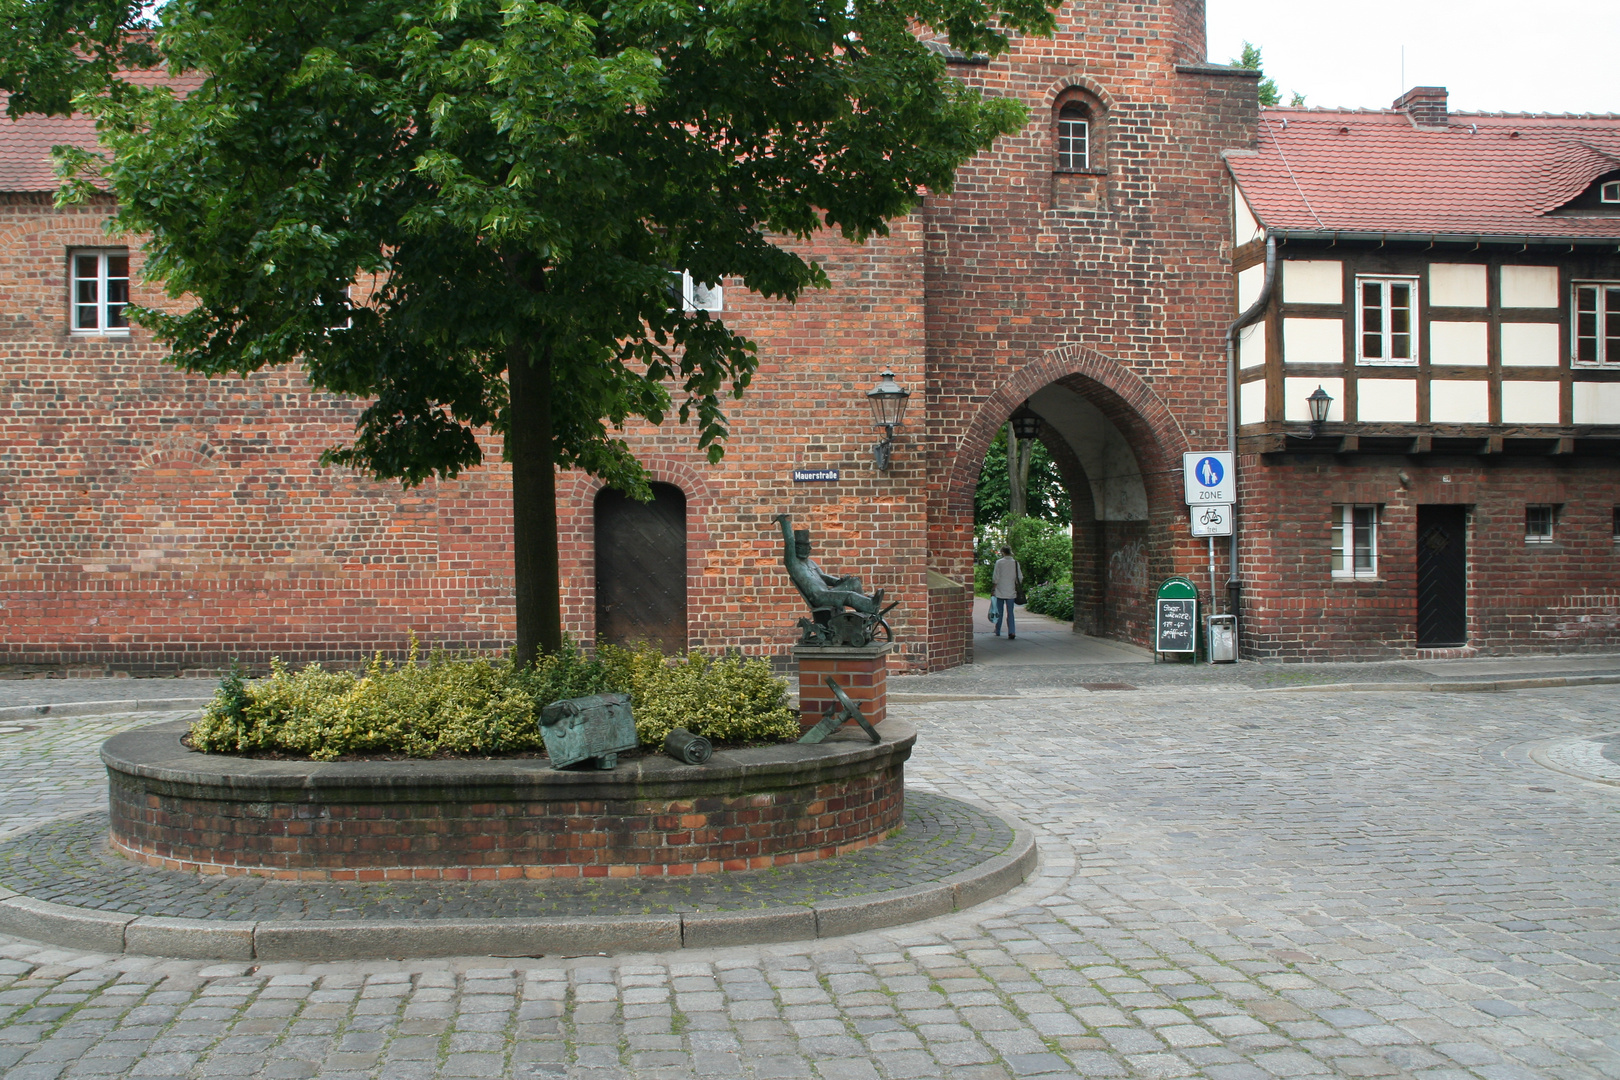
(1492, 55)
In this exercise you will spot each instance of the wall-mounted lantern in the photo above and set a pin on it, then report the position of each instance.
(888, 400)
(1319, 401)
(1025, 424)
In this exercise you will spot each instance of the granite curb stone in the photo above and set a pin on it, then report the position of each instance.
(100, 708)
(370, 939)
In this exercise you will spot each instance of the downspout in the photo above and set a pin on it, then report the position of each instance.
(1234, 584)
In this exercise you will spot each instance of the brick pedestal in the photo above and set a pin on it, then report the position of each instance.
(861, 673)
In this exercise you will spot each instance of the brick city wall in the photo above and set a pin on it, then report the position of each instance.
(486, 840)
(1562, 596)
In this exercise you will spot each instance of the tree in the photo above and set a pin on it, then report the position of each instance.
(1269, 94)
(468, 212)
(1046, 496)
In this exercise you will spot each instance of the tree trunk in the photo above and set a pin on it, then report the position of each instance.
(1019, 455)
(534, 505)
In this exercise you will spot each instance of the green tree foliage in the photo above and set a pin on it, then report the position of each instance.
(1047, 496)
(467, 212)
(1269, 94)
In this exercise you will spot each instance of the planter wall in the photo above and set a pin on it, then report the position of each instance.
(492, 819)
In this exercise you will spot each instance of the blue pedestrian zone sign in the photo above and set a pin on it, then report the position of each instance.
(1209, 478)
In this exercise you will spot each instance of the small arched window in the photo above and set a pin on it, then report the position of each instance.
(1074, 138)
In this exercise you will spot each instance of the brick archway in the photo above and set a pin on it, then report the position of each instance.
(1120, 393)
(1125, 556)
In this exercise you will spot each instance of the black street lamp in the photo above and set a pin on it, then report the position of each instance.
(1025, 424)
(888, 400)
(1319, 402)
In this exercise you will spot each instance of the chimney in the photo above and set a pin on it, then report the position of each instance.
(1189, 29)
(1426, 105)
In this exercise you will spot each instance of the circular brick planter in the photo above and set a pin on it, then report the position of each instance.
(488, 819)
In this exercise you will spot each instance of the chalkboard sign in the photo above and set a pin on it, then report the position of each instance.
(1177, 626)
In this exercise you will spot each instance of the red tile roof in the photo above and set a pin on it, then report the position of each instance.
(1484, 174)
(25, 143)
(25, 148)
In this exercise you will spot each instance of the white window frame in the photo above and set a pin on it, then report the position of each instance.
(1606, 308)
(1385, 332)
(88, 293)
(1609, 191)
(696, 296)
(1073, 132)
(1552, 523)
(1345, 523)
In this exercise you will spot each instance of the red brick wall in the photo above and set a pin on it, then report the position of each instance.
(1558, 597)
(153, 522)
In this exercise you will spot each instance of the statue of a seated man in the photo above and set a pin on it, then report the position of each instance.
(821, 590)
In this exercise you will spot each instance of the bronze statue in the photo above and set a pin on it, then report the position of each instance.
(829, 595)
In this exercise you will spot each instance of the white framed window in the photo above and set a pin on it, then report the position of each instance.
(1074, 139)
(100, 291)
(1609, 192)
(1538, 524)
(1596, 315)
(696, 296)
(1386, 317)
(1355, 541)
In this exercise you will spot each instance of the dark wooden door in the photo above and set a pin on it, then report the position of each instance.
(1442, 575)
(641, 568)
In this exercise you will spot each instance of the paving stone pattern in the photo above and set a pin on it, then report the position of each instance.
(68, 862)
(1231, 887)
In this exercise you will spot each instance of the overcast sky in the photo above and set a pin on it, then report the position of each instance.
(1493, 55)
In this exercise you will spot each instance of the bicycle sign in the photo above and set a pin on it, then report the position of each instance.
(1209, 478)
(1213, 520)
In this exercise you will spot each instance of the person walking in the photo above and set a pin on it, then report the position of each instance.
(1007, 578)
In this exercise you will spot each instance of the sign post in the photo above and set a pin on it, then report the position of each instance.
(1210, 484)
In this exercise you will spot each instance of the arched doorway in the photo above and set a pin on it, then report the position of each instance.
(1118, 449)
(641, 568)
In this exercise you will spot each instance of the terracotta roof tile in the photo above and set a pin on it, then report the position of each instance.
(25, 148)
(1484, 174)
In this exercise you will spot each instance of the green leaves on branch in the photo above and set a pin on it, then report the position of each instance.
(404, 197)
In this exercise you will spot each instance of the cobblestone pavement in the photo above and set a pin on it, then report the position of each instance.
(1232, 886)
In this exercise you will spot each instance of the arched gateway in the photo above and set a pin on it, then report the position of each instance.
(1118, 448)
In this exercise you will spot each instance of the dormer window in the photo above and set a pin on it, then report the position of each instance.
(1610, 192)
(1074, 138)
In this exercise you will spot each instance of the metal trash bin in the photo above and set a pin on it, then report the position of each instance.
(1222, 639)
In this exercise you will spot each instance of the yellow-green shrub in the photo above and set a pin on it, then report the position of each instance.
(481, 706)
(730, 699)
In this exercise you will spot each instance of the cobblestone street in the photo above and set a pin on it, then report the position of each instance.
(1234, 884)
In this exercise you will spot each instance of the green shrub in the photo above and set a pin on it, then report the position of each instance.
(481, 706)
(730, 699)
(1055, 598)
(1044, 549)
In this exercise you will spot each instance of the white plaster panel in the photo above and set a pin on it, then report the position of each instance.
(1530, 344)
(1252, 402)
(1526, 402)
(1453, 402)
(1248, 285)
(1457, 285)
(1295, 391)
(1313, 281)
(1529, 286)
(1386, 399)
(1244, 227)
(1111, 468)
(1596, 403)
(1313, 341)
(1459, 343)
(1252, 345)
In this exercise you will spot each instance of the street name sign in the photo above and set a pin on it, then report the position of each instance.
(1209, 478)
(811, 476)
